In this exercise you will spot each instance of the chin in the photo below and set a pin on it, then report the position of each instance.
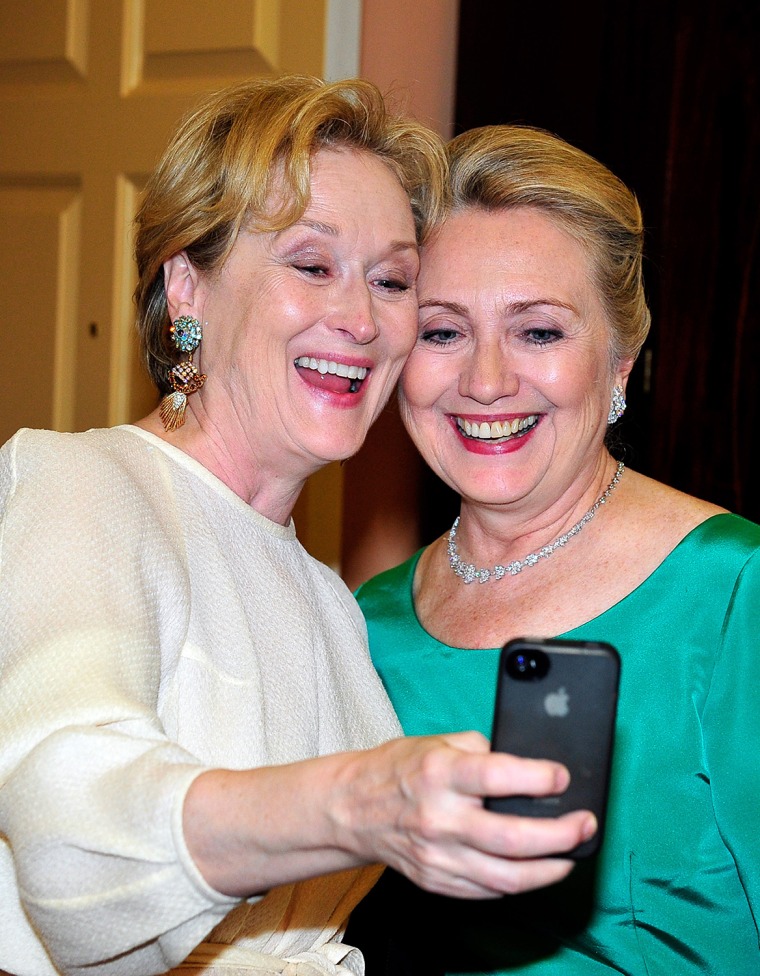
(326, 454)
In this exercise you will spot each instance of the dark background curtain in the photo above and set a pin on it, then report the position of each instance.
(667, 95)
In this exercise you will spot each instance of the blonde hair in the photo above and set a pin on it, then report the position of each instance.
(228, 155)
(500, 167)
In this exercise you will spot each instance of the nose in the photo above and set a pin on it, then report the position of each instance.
(487, 376)
(353, 315)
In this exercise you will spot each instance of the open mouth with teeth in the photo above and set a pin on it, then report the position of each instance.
(327, 374)
(496, 431)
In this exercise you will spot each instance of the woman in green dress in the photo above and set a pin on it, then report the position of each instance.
(532, 314)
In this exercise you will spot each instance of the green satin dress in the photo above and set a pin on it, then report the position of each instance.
(675, 889)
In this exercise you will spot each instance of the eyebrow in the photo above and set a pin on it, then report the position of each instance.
(318, 226)
(512, 307)
(331, 231)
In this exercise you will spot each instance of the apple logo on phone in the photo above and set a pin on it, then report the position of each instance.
(557, 703)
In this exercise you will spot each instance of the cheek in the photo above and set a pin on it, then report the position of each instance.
(572, 381)
(431, 382)
(404, 410)
(414, 385)
(402, 332)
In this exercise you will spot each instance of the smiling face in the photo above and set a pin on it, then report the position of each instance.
(307, 328)
(508, 387)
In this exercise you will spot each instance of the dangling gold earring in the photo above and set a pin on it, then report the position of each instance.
(185, 378)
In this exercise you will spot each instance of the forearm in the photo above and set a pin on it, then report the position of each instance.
(251, 830)
(415, 804)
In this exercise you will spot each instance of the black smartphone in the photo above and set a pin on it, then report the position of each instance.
(557, 699)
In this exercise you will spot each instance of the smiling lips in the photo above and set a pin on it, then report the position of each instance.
(330, 375)
(496, 431)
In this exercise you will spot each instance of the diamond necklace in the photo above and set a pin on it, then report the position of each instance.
(470, 574)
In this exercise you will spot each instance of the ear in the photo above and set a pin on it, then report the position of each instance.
(623, 371)
(181, 285)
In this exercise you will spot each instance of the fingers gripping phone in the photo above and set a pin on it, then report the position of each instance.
(557, 699)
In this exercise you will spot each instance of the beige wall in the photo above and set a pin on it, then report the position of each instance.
(409, 49)
(410, 46)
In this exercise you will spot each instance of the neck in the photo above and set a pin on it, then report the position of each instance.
(469, 572)
(272, 495)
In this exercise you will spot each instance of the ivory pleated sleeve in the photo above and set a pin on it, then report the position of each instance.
(152, 626)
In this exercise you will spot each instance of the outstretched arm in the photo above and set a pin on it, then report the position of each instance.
(414, 804)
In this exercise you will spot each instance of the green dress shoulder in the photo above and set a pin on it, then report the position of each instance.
(676, 886)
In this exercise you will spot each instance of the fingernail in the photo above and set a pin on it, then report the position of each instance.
(589, 827)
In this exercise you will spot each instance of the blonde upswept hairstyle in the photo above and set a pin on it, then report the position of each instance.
(228, 155)
(500, 167)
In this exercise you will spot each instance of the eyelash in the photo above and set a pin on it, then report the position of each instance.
(318, 271)
(434, 336)
(393, 285)
(540, 337)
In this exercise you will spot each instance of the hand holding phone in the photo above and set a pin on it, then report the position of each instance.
(557, 699)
